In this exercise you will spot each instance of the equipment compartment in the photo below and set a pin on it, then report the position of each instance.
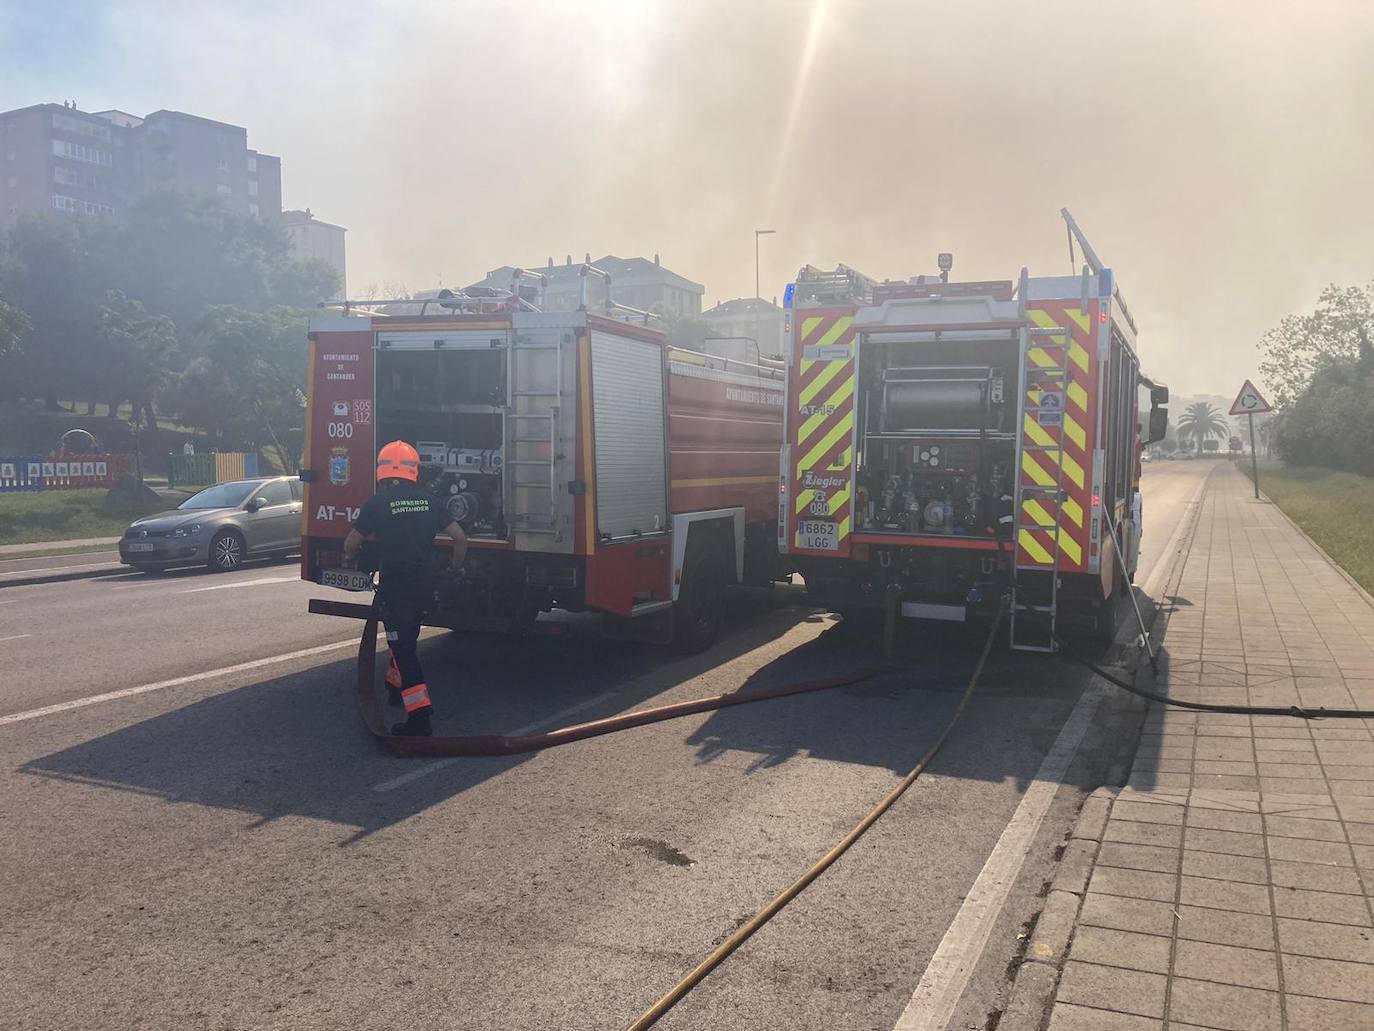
(937, 437)
(451, 405)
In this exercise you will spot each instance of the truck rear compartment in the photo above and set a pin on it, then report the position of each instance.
(452, 405)
(937, 439)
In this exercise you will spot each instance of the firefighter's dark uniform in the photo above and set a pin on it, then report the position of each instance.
(404, 520)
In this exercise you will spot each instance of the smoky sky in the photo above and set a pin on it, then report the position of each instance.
(1218, 154)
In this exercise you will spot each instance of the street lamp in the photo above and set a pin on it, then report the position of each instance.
(757, 234)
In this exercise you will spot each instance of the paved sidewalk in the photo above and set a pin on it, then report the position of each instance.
(1233, 885)
(20, 550)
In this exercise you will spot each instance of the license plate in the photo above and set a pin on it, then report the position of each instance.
(818, 535)
(139, 547)
(346, 579)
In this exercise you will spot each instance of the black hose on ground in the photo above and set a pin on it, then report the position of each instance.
(1299, 711)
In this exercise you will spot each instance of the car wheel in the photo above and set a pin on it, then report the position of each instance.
(226, 551)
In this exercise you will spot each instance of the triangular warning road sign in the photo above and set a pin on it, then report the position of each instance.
(1249, 402)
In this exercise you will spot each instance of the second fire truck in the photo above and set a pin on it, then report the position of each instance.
(949, 443)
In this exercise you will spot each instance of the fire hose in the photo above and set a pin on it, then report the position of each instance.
(473, 745)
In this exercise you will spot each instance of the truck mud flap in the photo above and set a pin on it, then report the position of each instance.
(494, 744)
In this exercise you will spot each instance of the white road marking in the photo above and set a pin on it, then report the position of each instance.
(439, 764)
(242, 583)
(562, 714)
(129, 692)
(944, 980)
(15, 637)
(415, 774)
(1165, 560)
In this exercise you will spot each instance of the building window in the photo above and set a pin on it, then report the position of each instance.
(253, 210)
(252, 188)
(223, 166)
(81, 152)
(224, 190)
(64, 203)
(252, 162)
(69, 124)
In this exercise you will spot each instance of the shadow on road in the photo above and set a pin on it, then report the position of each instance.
(294, 746)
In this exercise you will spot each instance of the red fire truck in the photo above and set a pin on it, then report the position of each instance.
(593, 466)
(948, 443)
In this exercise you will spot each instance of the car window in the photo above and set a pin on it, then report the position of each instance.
(222, 495)
(295, 489)
(276, 492)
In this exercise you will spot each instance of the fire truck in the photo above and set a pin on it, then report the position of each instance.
(952, 444)
(592, 466)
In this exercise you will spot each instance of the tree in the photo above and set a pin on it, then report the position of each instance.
(51, 272)
(139, 354)
(246, 385)
(173, 255)
(1200, 423)
(13, 325)
(1302, 345)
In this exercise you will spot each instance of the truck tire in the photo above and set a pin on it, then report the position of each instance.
(1104, 620)
(701, 601)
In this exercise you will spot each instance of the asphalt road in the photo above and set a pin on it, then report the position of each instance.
(231, 850)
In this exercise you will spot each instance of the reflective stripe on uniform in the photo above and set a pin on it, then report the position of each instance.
(416, 697)
(393, 674)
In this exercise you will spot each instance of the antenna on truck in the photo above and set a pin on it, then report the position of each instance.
(1089, 255)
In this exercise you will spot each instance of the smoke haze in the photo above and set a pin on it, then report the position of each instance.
(1218, 155)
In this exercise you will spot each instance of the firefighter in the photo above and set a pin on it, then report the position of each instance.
(404, 520)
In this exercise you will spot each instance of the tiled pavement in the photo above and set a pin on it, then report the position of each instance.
(1233, 885)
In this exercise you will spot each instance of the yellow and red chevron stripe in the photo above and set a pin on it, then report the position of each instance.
(823, 420)
(1053, 446)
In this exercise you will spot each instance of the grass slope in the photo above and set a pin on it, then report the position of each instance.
(1335, 509)
(62, 515)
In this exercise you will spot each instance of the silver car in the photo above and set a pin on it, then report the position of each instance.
(221, 527)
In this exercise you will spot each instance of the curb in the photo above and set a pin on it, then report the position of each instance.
(58, 576)
(1037, 978)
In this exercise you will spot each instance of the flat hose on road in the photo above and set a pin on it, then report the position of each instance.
(654, 1013)
(495, 744)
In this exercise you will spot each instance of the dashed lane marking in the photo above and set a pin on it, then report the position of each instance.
(439, 764)
(242, 583)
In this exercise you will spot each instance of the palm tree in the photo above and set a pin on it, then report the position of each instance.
(1201, 422)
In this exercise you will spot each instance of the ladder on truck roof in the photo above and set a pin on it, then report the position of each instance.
(533, 433)
(1033, 614)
